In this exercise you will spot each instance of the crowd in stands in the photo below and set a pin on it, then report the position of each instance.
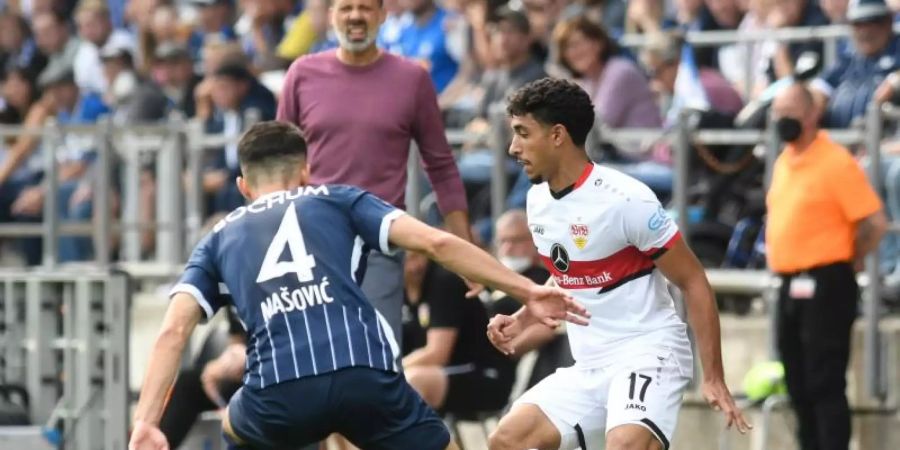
(139, 61)
(222, 63)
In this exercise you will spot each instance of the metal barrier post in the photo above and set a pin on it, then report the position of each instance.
(102, 186)
(84, 353)
(169, 211)
(413, 182)
(682, 147)
(770, 297)
(130, 180)
(194, 208)
(773, 149)
(749, 47)
(498, 145)
(41, 306)
(116, 309)
(830, 53)
(872, 292)
(52, 134)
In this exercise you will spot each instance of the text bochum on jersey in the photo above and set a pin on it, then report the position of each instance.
(292, 263)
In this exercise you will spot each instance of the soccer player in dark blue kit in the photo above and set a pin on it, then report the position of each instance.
(320, 359)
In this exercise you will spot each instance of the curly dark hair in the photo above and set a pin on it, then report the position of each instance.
(554, 101)
(270, 149)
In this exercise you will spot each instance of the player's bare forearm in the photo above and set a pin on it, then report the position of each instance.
(182, 317)
(533, 337)
(457, 222)
(681, 267)
(703, 316)
(459, 256)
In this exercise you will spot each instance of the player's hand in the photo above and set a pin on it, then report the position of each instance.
(229, 366)
(550, 305)
(209, 379)
(147, 437)
(501, 330)
(719, 398)
(474, 288)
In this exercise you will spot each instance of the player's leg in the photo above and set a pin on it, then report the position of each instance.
(632, 437)
(525, 427)
(272, 417)
(378, 410)
(430, 382)
(644, 399)
(564, 411)
(231, 438)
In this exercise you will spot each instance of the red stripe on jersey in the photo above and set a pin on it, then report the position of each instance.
(602, 272)
(584, 176)
(656, 252)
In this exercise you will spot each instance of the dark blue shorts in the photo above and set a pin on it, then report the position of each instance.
(372, 408)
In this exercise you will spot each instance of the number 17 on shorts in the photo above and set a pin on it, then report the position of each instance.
(649, 396)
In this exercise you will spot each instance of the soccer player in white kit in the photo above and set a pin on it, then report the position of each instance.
(605, 237)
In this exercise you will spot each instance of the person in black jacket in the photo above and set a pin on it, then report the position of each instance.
(457, 370)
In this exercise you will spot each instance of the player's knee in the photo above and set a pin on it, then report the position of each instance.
(504, 439)
(630, 441)
(427, 382)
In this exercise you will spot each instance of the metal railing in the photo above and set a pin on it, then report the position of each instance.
(177, 148)
(828, 34)
(64, 337)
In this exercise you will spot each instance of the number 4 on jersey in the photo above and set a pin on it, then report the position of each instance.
(290, 236)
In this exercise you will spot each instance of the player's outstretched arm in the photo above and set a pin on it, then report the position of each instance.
(681, 267)
(181, 318)
(550, 305)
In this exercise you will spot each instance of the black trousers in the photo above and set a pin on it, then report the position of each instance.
(814, 342)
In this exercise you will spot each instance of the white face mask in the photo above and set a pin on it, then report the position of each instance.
(516, 263)
(124, 85)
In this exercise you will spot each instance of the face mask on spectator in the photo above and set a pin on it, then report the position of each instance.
(516, 263)
(124, 85)
(788, 128)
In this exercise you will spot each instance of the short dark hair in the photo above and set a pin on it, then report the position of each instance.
(271, 149)
(554, 101)
(234, 70)
(516, 18)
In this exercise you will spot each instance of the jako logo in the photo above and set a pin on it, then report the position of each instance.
(537, 229)
(635, 406)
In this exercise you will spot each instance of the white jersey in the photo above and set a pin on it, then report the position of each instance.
(598, 239)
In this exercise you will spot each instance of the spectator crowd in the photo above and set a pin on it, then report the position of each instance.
(139, 61)
(225, 63)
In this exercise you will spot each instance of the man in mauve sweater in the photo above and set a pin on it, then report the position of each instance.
(359, 108)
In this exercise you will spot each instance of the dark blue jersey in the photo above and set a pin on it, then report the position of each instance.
(292, 263)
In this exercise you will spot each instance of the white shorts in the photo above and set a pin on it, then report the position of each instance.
(583, 403)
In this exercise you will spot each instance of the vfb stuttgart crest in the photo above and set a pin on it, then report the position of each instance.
(579, 232)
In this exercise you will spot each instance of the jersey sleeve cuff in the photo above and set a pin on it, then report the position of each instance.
(383, 243)
(198, 297)
(655, 253)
